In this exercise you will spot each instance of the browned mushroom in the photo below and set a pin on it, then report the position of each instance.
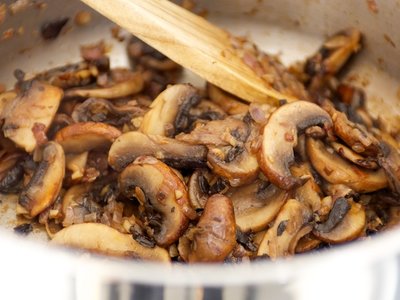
(353, 134)
(256, 204)
(169, 111)
(131, 85)
(46, 182)
(162, 194)
(214, 237)
(5, 99)
(336, 170)
(390, 162)
(202, 184)
(237, 164)
(349, 154)
(76, 163)
(309, 193)
(228, 132)
(131, 145)
(346, 222)
(35, 106)
(334, 53)
(229, 103)
(86, 136)
(307, 243)
(100, 238)
(280, 137)
(291, 224)
(101, 110)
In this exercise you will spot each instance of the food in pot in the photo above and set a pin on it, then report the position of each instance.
(131, 163)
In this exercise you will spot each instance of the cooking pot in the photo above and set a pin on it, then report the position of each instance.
(368, 269)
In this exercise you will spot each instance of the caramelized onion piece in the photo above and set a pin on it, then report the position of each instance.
(131, 145)
(103, 239)
(82, 137)
(292, 223)
(256, 204)
(280, 137)
(214, 237)
(35, 106)
(163, 195)
(336, 170)
(45, 184)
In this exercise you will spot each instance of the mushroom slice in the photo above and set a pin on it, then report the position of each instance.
(353, 134)
(309, 193)
(214, 237)
(334, 53)
(347, 227)
(345, 152)
(336, 170)
(307, 243)
(292, 223)
(35, 107)
(101, 110)
(170, 110)
(76, 163)
(103, 239)
(46, 182)
(162, 194)
(202, 184)
(256, 204)
(237, 164)
(390, 162)
(131, 145)
(280, 137)
(229, 103)
(82, 137)
(227, 132)
(131, 85)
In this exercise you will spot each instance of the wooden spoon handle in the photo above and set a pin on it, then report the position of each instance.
(189, 40)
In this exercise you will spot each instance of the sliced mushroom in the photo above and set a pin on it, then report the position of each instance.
(237, 164)
(307, 243)
(229, 103)
(82, 137)
(227, 132)
(336, 170)
(334, 53)
(130, 86)
(77, 203)
(349, 154)
(292, 223)
(348, 228)
(203, 184)
(170, 110)
(46, 182)
(101, 110)
(69, 76)
(76, 163)
(162, 194)
(353, 134)
(309, 193)
(207, 110)
(131, 145)
(390, 162)
(214, 237)
(256, 204)
(36, 106)
(280, 137)
(103, 239)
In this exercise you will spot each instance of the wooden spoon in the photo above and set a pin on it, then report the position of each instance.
(191, 41)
